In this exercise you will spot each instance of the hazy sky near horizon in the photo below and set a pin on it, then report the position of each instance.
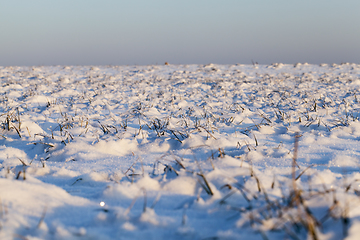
(142, 32)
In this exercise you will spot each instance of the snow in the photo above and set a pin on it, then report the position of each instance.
(180, 152)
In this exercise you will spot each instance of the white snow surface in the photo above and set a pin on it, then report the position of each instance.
(180, 152)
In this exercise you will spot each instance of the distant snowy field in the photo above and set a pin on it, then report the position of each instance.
(180, 152)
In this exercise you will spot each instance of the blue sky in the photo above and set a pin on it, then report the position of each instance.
(116, 32)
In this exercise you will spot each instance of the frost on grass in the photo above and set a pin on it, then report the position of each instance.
(180, 152)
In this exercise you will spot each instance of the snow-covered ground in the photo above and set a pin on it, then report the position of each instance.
(180, 152)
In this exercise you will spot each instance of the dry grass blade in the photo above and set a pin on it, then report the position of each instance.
(156, 200)
(312, 165)
(23, 163)
(127, 211)
(132, 165)
(256, 141)
(207, 132)
(145, 199)
(42, 218)
(294, 163)
(170, 168)
(223, 200)
(242, 190)
(205, 185)
(176, 137)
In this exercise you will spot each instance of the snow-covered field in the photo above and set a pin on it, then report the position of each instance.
(180, 152)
